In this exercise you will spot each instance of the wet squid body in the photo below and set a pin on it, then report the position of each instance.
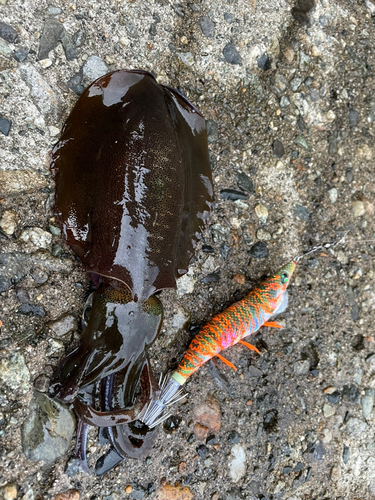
(133, 192)
(225, 330)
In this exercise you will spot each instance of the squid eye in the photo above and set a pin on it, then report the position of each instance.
(284, 278)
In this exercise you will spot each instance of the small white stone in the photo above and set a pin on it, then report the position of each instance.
(186, 58)
(358, 208)
(237, 466)
(185, 284)
(330, 116)
(124, 41)
(364, 152)
(370, 6)
(38, 237)
(264, 235)
(328, 410)
(53, 131)
(332, 193)
(8, 222)
(45, 63)
(315, 52)
(261, 212)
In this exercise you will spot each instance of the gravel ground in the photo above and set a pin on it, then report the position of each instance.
(288, 93)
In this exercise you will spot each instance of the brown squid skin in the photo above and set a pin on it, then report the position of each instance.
(133, 193)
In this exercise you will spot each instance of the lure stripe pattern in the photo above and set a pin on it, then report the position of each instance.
(237, 321)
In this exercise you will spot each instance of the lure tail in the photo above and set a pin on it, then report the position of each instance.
(171, 392)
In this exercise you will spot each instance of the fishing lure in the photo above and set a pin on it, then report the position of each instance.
(225, 330)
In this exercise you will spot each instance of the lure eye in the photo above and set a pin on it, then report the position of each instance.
(284, 278)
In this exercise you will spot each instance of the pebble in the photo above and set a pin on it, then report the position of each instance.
(314, 94)
(45, 63)
(367, 402)
(335, 473)
(231, 55)
(75, 84)
(32, 310)
(264, 62)
(57, 250)
(333, 397)
(208, 414)
(5, 125)
(186, 58)
(93, 69)
(363, 152)
(302, 213)
(182, 468)
(67, 495)
(371, 7)
(345, 454)
(353, 306)
(264, 235)
(36, 236)
(212, 131)
(53, 33)
(245, 183)
(41, 383)
(5, 50)
(237, 466)
(200, 431)
(53, 11)
(301, 141)
(278, 149)
(9, 491)
(138, 492)
(262, 213)
(8, 33)
(356, 427)
(295, 83)
(232, 195)
(233, 437)
(358, 208)
(185, 284)
(315, 51)
(47, 431)
(64, 325)
(228, 17)
(259, 250)
(301, 367)
(239, 278)
(353, 118)
(9, 220)
(14, 373)
(207, 26)
(284, 101)
(169, 492)
(281, 83)
(53, 132)
(333, 193)
(202, 451)
(128, 489)
(211, 278)
(20, 55)
(350, 394)
(328, 410)
(49, 104)
(254, 372)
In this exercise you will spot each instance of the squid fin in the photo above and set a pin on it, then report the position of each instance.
(226, 362)
(273, 324)
(250, 346)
